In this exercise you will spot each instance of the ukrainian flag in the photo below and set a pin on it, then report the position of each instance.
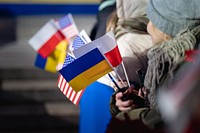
(56, 58)
(85, 70)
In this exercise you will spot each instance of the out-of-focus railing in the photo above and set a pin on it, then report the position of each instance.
(35, 7)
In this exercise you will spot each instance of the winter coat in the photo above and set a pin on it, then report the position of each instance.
(185, 40)
(133, 43)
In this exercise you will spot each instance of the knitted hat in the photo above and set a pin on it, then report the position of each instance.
(172, 16)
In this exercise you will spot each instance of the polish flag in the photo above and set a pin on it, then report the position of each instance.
(107, 45)
(46, 39)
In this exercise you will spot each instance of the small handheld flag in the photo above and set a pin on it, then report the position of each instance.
(85, 70)
(56, 58)
(68, 27)
(64, 86)
(107, 45)
(46, 39)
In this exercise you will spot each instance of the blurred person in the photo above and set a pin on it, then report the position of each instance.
(179, 104)
(106, 7)
(129, 23)
(174, 29)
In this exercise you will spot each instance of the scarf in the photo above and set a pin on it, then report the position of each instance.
(170, 52)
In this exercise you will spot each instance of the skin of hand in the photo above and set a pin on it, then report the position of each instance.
(125, 105)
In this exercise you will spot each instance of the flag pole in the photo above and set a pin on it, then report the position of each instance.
(112, 67)
(113, 81)
(119, 76)
(126, 74)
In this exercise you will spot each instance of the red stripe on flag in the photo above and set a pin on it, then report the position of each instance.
(64, 87)
(50, 45)
(70, 94)
(73, 99)
(114, 57)
(79, 97)
(67, 90)
(59, 78)
(70, 31)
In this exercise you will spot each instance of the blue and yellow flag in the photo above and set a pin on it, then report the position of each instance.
(85, 70)
(54, 60)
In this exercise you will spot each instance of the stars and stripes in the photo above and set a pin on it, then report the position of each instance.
(68, 91)
(64, 86)
(78, 42)
(68, 27)
(68, 60)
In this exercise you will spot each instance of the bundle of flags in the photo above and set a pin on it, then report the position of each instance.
(63, 85)
(80, 61)
(51, 43)
(93, 60)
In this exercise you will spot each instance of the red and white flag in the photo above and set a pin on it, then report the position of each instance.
(46, 39)
(107, 45)
(68, 91)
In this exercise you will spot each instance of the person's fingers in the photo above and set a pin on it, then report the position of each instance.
(118, 96)
(144, 91)
(122, 84)
(121, 103)
(124, 108)
(140, 93)
(131, 106)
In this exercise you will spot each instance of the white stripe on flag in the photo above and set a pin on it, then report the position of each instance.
(105, 44)
(70, 31)
(63, 84)
(43, 35)
(59, 81)
(72, 96)
(67, 90)
(78, 95)
(85, 37)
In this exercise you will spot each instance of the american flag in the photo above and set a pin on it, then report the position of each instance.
(68, 91)
(68, 26)
(78, 42)
(69, 59)
(64, 86)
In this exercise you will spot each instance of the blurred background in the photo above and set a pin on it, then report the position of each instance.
(30, 100)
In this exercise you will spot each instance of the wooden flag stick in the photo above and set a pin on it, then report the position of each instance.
(126, 74)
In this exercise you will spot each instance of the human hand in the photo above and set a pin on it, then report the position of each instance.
(127, 104)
